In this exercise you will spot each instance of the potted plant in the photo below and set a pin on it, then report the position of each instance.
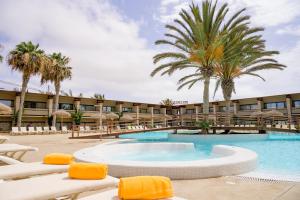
(204, 125)
(77, 116)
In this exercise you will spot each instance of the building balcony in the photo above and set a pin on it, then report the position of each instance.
(36, 112)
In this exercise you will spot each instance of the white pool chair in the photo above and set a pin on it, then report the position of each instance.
(118, 128)
(64, 129)
(15, 131)
(31, 130)
(87, 129)
(252, 125)
(277, 126)
(105, 128)
(39, 130)
(3, 139)
(81, 129)
(247, 125)
(141, 127)
(20, 170)
(15, 151)
(46, 130)
(113, 195)
(8, 161)
(236, 125)
(23, 130)
(293, 127)
(129, 127)
(53, 130)
(51, 187)
(284, 126)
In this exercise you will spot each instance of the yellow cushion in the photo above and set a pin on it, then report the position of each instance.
(90, 171)
(145, 187)
(58, 159)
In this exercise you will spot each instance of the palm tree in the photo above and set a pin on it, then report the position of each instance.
(167, 102)
(197, 38)
(244, 54)
(28, 59)
(68, 94)
(99, 96)
(56, 73)
(247, 57)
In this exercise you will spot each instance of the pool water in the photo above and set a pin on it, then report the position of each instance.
(277, 153)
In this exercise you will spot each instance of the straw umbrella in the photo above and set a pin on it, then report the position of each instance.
(4, 109)
(273, 114)
(258, 115)
(126, 118)
(111, 116)
(61, 114)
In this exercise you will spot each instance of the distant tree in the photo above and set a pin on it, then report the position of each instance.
(99, 96)
(1, 57)
(68, 94)
(167, 102)
(28, 59)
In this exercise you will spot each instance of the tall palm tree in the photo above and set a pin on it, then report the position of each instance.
(56, 73)
(167, 102)
(28, 59)
(197, 39)
(244, 54)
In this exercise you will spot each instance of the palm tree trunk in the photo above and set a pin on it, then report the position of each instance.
(57, 89)
(206, 98)
(227, 118)
(23, 92)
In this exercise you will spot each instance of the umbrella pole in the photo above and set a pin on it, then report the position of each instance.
(61, 123)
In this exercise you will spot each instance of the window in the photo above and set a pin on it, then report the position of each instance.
(32, 104)
(190, 111)
(274, 105)
(169, 112)
(296, 104)
(108, 109)
(143, 110)
(211, 109)
(223, 108)
(87, 107)
(65, 106)
(156, 111)
(126, 109)
(248, 107)
(7, 102)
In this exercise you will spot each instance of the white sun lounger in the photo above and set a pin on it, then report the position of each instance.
(15, 151)
(32, 130)
(3, 139)
(25, 170)
(51, 187)
(46, 130)
(113, 195)
(23, 130)
(53, 130)
(39, 130)
(8, 160)
(64, 129)
(15, 131)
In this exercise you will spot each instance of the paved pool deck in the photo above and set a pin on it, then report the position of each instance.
(222, 188)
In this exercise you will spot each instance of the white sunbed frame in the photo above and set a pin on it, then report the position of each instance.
(51, 187)
(20, 170)
(15, 151)
(113, 195)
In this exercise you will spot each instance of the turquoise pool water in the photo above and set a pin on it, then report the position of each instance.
(278, 153)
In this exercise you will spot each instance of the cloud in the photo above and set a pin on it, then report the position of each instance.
(263, 12)
(107, 54)
(290, 30)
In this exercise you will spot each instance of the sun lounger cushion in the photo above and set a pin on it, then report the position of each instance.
(113, 195)
(145, 187)
(90, 171)
(58, 159)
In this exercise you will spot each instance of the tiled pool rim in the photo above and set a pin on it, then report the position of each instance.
(231, 161)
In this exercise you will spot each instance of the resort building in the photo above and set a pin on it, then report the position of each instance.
(39, 107)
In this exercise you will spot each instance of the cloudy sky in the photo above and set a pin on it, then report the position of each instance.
(111, 45)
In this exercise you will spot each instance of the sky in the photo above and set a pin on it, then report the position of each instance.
(111, 45)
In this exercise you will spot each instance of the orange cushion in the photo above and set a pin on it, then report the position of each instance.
(90, 171)
(145, 187)
(58, 159)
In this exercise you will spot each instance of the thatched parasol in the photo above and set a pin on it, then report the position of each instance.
(126, 118)
(111, 116)
(61, 114)
(94, 115)
(4, 109)
(273, 113)
(257, 114)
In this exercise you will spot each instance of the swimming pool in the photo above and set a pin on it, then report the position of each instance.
(278, 154)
